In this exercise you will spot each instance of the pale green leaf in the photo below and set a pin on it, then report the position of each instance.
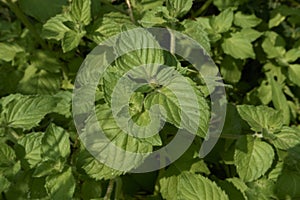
(238, 47)
(187, 185)
(248, 33)
(292, 55)
(32, 146)
(27, 111)
(294, 73)
(107, 26)
(157, 17)
(261, 117)
(273, 45)
(71, 40)
(81, 11)
(61, 186)
(55, 143)
(252, 158)
(276, 19)
(222, 22)
(178, 8)
(246, 21)
(196, 31)
(287, 138)
(55, 28)
(9, 51)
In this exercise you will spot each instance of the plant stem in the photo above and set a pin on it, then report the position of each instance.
(22, 17)
(109, 190)
(130, 10)
(203, 8)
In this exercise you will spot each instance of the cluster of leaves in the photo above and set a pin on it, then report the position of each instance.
(255, 44)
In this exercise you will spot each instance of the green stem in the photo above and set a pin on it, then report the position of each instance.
(22, 17)
(203, 8)
(109, 190)
(118, 190)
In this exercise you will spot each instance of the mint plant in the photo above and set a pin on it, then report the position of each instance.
(255, 46)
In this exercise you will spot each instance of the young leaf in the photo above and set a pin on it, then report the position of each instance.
(223, 21)
(8, 51)
(178, 8)
(81, 11)
(252, 158)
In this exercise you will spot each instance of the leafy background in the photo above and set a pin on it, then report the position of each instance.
(255, 44)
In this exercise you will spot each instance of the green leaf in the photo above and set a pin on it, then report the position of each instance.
(261, 189)
(231, 69)
(61, 186)
(248, 33)
(42, 10)
(55, 28)
(187, 185)
(178, 8)
(117, 137)
(287, 138)
(196, 31)
(8, 156)
(95, 169)
(261, 117)
(27, 111)
(180, 107)
(294, 73)
(32, 146)
(9, 51)
(4, 183)
(279, 100)
(223, 21)
(276, 19)
(71, 40)
(36, 81)
(159, 16)
(252, 158)
(246, 21)
(292, 55)
(108, 25)
(238, 47)
(91, 189)
(63, 106)
(273, 45)
(55, 143)
(292, 180)
(81, 11)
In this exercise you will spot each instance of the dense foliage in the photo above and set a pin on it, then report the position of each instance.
(255, 44)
